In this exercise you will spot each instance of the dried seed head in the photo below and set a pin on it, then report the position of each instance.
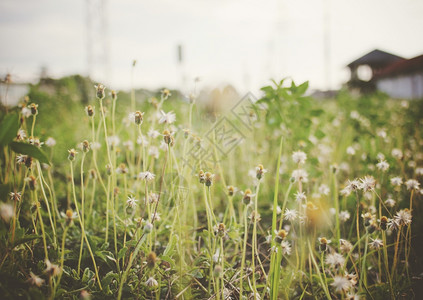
(165, 94)
(154, 102)
(51, 269)
(15, 196)
(151, 259)
(168, 138)
(218, 271)
(89, 110)
(220, 230)
(72, 154)
(108, 169)
(85, 146)
(202, 176)
(100, 94)
(28, 162)
(248, 195)
(34, 109)
(32, 182)
(231, 190)
(148, 227)
(345, 246)
(367, 218)
(138, 117)
(383, 223)
(280, 236)
(122, 169)
(113, 93)
(323, 243)
(93, 174)
(260, 170)
(186, 133)
(69, 217)
(208, 178)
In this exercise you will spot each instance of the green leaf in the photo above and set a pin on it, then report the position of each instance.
(170, 249)
(316, 112)
(25, 239)
(29, 150)
(122, 252)
(319, 134)
(301, 89)
(169, 260)
(8, 128)
(88, 275)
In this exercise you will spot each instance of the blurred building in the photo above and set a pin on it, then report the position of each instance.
(394, 75)
(403, 79)
(366, 67)
(12, 93)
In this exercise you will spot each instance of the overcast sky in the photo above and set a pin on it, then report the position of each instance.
(241, 42)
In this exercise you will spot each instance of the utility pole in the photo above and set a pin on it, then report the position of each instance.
(97, 41)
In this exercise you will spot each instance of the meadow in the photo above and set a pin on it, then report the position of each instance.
(108, 195)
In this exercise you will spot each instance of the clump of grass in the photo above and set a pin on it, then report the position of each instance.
(142, 208)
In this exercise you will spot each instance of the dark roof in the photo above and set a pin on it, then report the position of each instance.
(405, 66)
(376, 58)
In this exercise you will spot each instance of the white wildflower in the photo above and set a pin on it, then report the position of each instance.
(412, 184)
(146, 176)
(376, 244)
(324, 189)
(403, 217)
(290, 214)
(142, 140)
(35, 280)
(382, 165)
(50, 142)
(153, 133)
(350, 150)
(167, 118)
(396, 181)
(344, 216)
(396, 153)
(335, 260)
(299, 157)
(300, 175)
(286, 247)
(341, 283)
(113, 141)
(390, 202)
(151, 282)
(367, 183)
(299, 197)
(131, 202)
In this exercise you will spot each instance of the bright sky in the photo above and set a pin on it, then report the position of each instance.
(241, 42)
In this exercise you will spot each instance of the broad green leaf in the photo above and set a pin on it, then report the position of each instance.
(301, 89)
(8, 128)
(29, 150)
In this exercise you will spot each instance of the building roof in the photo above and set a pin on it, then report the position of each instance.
(405, 66)
(376, 58)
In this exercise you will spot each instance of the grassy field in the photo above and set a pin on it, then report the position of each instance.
(110, 195)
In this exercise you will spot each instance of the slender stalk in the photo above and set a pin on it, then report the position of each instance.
(82, 226)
